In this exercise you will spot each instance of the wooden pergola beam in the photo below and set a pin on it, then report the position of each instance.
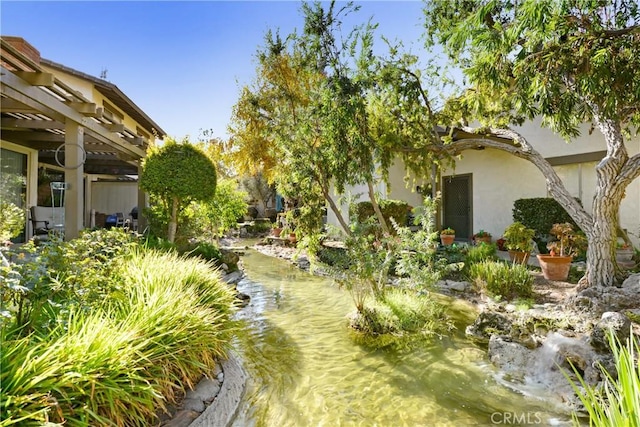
(28, 124)
(15, 88)
(37, 78)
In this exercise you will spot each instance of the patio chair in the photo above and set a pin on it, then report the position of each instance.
(45, 219)
(119, 219)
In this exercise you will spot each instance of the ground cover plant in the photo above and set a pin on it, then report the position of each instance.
(117, 357)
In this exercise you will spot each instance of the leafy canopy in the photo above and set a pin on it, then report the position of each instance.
(179, 170)
(568, 61)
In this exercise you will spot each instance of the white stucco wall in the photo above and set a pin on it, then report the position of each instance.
(549, 144)
(401, 187)
(499, 179)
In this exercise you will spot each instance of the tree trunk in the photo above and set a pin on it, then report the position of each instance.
(602, 269)
(336, 211)
(601, 266)
(376, 208)
(173, 221)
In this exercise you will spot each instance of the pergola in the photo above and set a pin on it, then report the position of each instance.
(67, 128)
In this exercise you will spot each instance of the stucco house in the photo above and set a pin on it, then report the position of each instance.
(480, 192)
(80, 129)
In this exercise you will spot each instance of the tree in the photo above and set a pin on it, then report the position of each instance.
(305, 119)
(257, 187)
(178, 173)
(222, 212)
(567, 61)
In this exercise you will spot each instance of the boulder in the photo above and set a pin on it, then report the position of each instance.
(233, 277)
(488, 323)
(508, 356)
(616, 322)
(230, 258)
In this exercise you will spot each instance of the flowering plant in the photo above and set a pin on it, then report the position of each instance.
(448, 230)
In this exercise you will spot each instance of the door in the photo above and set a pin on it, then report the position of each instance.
(456, 205)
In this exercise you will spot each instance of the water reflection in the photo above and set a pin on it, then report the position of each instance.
(306, 370)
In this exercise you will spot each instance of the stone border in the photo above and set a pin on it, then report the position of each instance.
(224, 408)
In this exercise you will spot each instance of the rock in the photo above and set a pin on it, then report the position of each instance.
(616, 322)
(244, 299)
(507, 355)
(205, 391)
(488, 323)
(182, 419)
(191, 404)
(230, 258)
(303, 263)
(457, 286)
(233, 277)
(599, 299)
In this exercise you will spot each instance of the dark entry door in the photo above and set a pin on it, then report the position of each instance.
(456, 203)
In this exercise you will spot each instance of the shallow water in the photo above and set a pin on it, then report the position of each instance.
(306, 370)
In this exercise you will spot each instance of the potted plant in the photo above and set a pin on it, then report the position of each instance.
(556, 265)
(624, 255)
(482, 236)
(447, 236)
(502, 244)
(518, 241)
(276, 229)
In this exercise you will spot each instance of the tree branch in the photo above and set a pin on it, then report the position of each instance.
(630, 170)
(520, 147)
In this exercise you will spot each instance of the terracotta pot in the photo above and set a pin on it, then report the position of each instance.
(447, 239)
(486, 239)
(555, 267)
(277, 231)
(519, 257)
(293, 238)
(623, 255)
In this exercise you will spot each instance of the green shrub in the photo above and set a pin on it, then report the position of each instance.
(89, 373)
(502, 279)
(416, 250)
(56, 276)
(221, 213)
(540, 214)
(127, 358)
(11, 221)
(205, 250)
(617, 402)
(178, 173)
(257, 227)
(184, 310)
(396, 209)
(482, 252)
(334, 257)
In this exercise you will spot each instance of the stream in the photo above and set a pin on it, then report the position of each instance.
(306, 370)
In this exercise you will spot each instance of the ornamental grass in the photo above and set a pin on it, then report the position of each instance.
(125, 360)
(616, 402)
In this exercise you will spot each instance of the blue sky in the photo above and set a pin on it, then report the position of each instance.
(183, 63)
